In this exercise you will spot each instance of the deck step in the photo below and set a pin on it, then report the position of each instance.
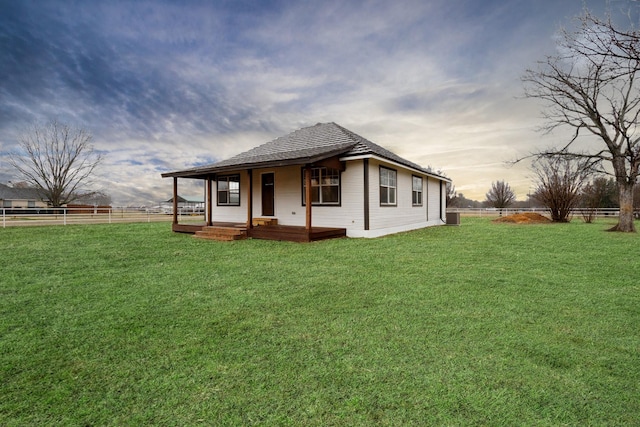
(224, 234)
(257, 222)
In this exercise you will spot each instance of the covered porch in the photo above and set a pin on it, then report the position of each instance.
(254, 227)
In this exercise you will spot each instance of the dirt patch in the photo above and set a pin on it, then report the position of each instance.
(524, 218)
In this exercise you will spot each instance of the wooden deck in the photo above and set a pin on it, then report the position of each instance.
(271, 232)
(295, 234)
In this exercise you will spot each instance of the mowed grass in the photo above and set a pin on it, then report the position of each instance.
(483, 324)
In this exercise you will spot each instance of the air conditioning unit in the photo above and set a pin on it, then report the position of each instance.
(453, 218)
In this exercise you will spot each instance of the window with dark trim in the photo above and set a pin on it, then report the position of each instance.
(228, 190)
(388, 186)
(416, 192)
(325, 187)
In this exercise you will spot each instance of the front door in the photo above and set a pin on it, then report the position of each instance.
(268, 194)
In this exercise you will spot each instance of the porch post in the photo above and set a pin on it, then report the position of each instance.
(175, 199)
(307, 180)
(209, 201)
(250, 200)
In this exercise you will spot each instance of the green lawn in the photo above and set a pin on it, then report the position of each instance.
(483, 324)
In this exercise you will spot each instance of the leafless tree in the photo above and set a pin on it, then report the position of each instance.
(599, 193)
(559, 181)
(56, 159)
(500, 195)
(591, 88)
(97, 198)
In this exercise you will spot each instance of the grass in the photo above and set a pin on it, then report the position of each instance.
(483, 324)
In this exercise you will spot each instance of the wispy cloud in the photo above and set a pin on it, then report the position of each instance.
(165, 85)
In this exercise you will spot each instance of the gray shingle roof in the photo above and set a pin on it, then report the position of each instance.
(312, 141)
(364, 146)
(306, 145)
(11, 193)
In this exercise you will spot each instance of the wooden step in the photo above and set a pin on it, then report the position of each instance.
(257, 222)
(221, 233)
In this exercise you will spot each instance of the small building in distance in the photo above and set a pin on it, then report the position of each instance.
(20, 198)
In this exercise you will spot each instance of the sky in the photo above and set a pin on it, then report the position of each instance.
(168, 85)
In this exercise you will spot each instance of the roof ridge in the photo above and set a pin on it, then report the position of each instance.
(352, 135)
(366, 142)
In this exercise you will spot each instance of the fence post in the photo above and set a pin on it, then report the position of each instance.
(4, 220)
(64, 216)
(109, 211)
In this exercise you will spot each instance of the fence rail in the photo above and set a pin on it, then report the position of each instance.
(597, 212)
(99, 215)
(68, 216)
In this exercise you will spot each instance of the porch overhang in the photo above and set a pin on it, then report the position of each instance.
(207, 171)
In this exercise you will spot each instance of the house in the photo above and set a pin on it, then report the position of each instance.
(20, 198)
(189, 203)
(357, 188)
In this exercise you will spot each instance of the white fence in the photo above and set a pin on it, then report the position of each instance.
(100, 215)
(97, 215)
(597, 213)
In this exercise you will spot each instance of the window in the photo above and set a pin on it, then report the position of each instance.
(417, 191)
(325, 186)
(229, 190)
(388, 178)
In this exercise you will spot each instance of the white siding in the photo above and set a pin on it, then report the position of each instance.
(350, 213)
(403, 216)
(434, 200)
(289, 209)
(231, 213)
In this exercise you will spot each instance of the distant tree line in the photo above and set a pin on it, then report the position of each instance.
(561, 187)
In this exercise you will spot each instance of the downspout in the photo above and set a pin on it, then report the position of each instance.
(365, 164)
(426, 197)
(250, 200)
(441, 201)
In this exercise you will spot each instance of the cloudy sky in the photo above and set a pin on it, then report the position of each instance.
(166, 85)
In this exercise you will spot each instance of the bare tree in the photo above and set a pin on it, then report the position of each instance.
(97, 198)
(559, 181)
(57, 160)
(591, 88)
(599, 193)
(500, 195)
